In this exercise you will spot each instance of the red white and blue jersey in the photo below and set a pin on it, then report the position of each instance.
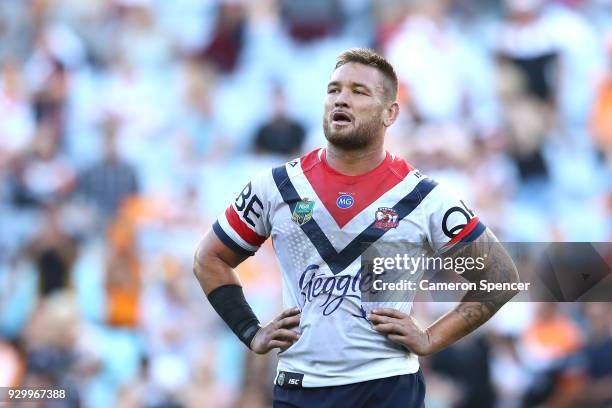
(321, 222)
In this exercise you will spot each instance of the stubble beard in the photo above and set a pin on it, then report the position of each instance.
(358, 138)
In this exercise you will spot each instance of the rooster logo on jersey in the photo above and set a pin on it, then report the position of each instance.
(386, 218)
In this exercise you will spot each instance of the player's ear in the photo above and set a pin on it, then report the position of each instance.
(391, 113)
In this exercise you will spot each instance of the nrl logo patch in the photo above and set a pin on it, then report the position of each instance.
(302, 212)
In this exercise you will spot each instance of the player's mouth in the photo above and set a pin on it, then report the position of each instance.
(339, 118)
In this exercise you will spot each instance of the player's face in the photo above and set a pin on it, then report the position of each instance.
(354, 106)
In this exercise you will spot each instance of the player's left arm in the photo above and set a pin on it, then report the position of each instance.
(476, 307)
(453, 230)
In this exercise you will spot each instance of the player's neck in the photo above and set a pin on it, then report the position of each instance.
(354, 162)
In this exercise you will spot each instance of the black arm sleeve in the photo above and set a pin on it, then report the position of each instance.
(229, 302)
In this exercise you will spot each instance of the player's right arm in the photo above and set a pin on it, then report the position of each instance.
(214, 263)
(235, 236)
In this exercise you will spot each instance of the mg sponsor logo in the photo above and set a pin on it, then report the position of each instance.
(345, 201)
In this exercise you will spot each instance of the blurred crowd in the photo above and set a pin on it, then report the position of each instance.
(127, 126)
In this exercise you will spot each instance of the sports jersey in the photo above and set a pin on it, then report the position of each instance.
(321, 222)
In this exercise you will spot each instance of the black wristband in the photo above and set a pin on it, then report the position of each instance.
(229, 302)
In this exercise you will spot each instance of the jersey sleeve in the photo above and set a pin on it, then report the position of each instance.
(449, 221)
(245, 225)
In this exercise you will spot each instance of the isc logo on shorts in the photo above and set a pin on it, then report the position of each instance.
(286, 379)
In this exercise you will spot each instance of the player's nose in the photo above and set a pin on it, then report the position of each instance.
(342, 99)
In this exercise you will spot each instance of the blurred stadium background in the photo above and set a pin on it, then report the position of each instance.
(126, 126)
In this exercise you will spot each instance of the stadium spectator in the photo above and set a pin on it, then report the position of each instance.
(51, 344)
(255, 391)
(139, 38)
(228, 39)
(197, 128)
(123, 276)
(108, 183)
(44, 176)
(552, 49)
(448, 82)
(475, 386)
(526, 43)
(592, 365)
(53, 252)
(173, 337)
(281, 134)
(204, 390)
(584, 377)
(551, 336)
(601, 115)
(16, 114)
(309, 20)
(13, 365)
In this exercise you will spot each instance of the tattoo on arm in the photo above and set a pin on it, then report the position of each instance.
(477, 306)
(474, 314)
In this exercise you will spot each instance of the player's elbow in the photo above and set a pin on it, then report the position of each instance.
(513, 275)
(515, 287)
(511, 282)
